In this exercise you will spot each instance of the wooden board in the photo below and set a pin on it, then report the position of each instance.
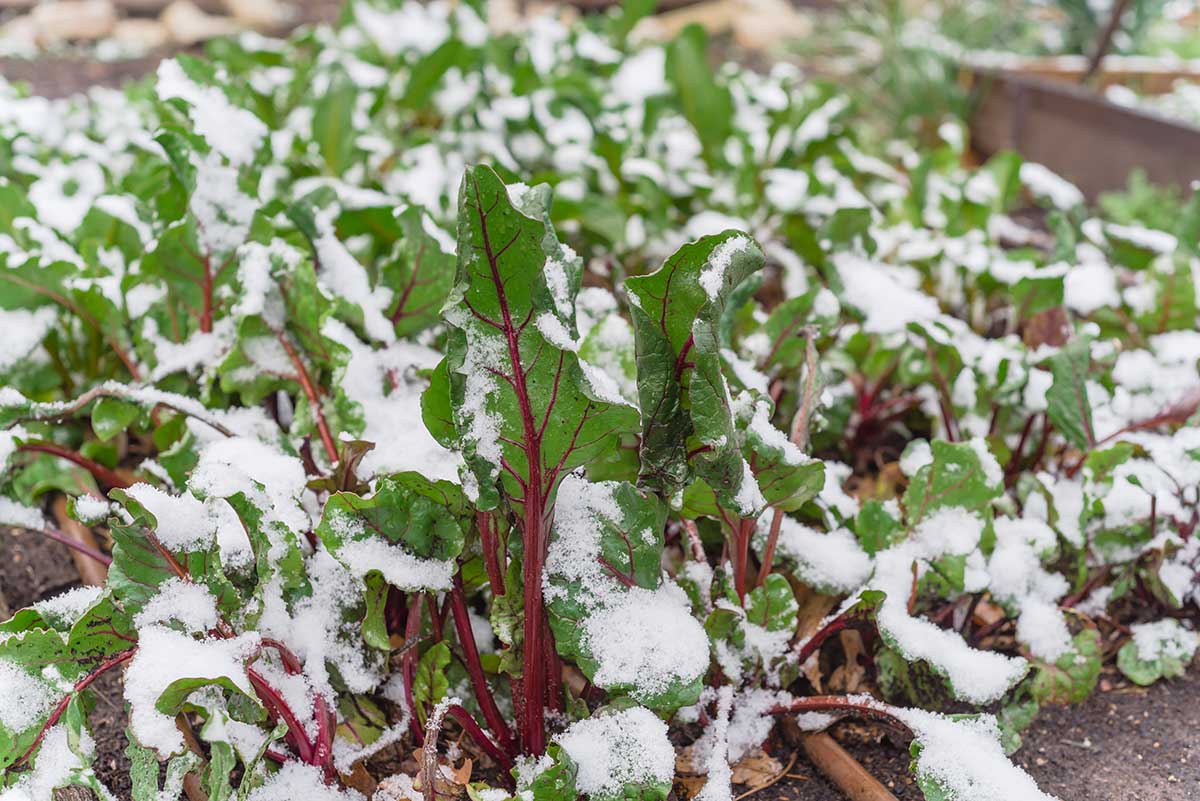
(1078, 134)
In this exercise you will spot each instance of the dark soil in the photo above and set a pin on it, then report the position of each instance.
(1125, 743)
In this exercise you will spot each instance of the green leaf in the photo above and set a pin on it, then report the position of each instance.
(332, 122)
(1175, 649)
(707, 105)
(518, 394)
(1073, 675)
(955, 477)
(419, 273)
(430, 683)
(410, 539)
(111, 416)
(428, 73)
(875, 527)
(1067, 403)
(773, 606)
(683, 393)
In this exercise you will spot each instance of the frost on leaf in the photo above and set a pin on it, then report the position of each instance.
(687, 420)
(523, 409)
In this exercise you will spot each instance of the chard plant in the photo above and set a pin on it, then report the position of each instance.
(382, 446)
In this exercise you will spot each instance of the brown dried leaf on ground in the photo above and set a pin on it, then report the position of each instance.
(756, 769)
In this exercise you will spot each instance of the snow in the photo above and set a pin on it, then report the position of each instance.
(888, 296)
(648, 640)
(64, 609)
(1045, 184)
(1164, 638)
(183, 602)
(231, 131)
(832, 561)
(341, 273)
(713, 275)
(916, 455)
(976, 676)
(314, 628)
(749, 500)
(1090, 286)
(392, 418)
(183, 522)
(274, 480)
(966, 758)
(165, 656)
(57, 762)
(772, 437)
(20, 516)
(65, 192)
(26, 698)
(24, 330)
(1145, 238)
(477, 424)
(716, 768)
(629, 746)
(556, 333)
(294, 780)
(642, 638)
(222, 210)
(992, 473)
(400, 568)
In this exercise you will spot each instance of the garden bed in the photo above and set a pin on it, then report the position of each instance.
(1039, 109)
(726, 423)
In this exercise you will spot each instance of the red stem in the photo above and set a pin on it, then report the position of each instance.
(206, 288)
(314, 398)
(99, 471)
(278, 707)
(865, 708)
(412, 629)
(79, 687)
(742, 535)
(769, 552)
(533, 728)
(480, 737)
(483, 692)
(76, 545)
(813, 643)
(491, 559)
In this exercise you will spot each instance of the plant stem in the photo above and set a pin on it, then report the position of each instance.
(206, 289)
(491, 559)
(98, 471)
(81, 685)
(278, 708)
(408, 664)
(314, 397)
(769, 552)
(861, 706)
(483, 692)
(533, 728)
(77, 546)
(480, 736)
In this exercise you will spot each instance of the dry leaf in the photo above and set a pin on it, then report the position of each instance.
(451, 782)
(687, 787)
(756, 769)
(849, 677)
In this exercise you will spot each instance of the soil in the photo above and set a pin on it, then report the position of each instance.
(1125, 743)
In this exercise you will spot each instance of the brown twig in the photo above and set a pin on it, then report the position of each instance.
(846, 772)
